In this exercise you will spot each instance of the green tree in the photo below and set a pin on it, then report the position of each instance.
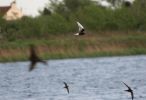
(46, 11)
(69, 5)
(74, 5)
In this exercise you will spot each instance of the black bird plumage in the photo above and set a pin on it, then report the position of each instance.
(129, 90)
(66, 87)
(82, 32)
(34, 59)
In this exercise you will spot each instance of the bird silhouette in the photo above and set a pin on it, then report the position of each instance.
(66, 87)
(129, 90)
(81, 29)
(34, 59)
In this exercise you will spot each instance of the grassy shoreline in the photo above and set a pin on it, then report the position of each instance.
(68, 46)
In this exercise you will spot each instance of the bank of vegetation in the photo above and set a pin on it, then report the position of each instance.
(109, 32)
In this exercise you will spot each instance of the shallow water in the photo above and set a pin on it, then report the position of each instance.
(89, 79)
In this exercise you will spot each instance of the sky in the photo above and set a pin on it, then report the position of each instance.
(30, 7)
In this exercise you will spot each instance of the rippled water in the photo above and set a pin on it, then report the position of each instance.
(88, 79)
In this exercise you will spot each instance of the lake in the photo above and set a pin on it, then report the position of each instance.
(88, 79)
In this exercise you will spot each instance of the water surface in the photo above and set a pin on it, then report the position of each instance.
(88, 78)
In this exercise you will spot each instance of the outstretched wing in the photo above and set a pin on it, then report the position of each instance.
(65, 84)
(67, 90)
(42, 61)
(127, 86)
(80, 26)
(32, 66)
(132, 95)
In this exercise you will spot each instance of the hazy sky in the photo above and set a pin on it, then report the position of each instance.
(29, 7)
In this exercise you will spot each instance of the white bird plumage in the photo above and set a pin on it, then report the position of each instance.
(80, 26)
(81, 29)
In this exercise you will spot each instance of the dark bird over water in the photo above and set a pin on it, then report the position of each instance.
(34, 59)
(81, 29)
(66, 87)
(129, 90)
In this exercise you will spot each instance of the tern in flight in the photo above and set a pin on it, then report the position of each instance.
(34, 59)
(129, 90)
(81, 29)
(66, 87)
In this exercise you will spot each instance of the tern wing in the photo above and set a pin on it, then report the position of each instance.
(65, 84)
(80, 26)
(42, 61)
(127, 86)
(132, 95)
(67, 90)
(32, 66)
